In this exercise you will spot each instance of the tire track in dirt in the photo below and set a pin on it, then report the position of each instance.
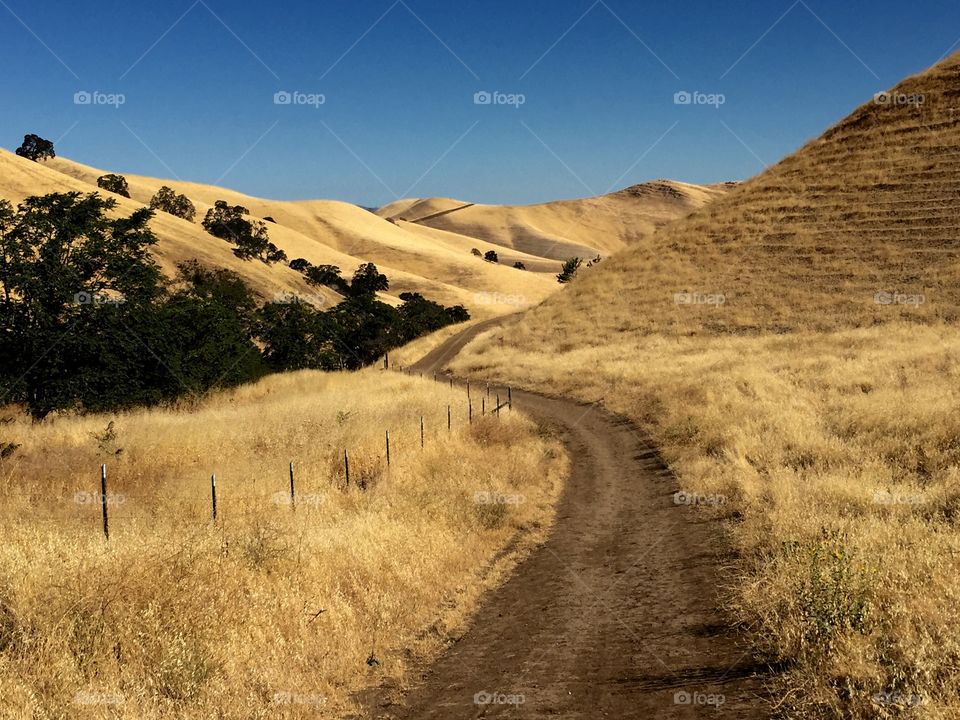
(615, 616)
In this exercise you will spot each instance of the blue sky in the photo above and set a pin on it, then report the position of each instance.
(398, 81)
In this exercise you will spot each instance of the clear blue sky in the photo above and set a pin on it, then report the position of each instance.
(399, 78)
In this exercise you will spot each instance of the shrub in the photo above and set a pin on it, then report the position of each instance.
(569, 271)
(491, 256)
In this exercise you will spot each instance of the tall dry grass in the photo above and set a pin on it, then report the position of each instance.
(274, 612)
(839, 455)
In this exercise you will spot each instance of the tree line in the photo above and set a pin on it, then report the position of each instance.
(89, 322)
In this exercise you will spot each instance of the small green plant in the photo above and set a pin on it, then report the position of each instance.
(107, 441)
(834, 595)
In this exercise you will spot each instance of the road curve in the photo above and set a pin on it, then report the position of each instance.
(615, 616)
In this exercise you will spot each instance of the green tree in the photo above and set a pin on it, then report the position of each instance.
(491, 256)
(66, 270)
(368, 281)
(117, 184)
(328, 276)
(36, 148)
(295, 336)
(231, 224)
(173, 204)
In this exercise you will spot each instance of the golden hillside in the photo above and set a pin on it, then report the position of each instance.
(563, 229)
(859, 226)
(793, 348)
(434, 261)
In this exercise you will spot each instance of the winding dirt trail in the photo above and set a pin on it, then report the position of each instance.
(615, 615)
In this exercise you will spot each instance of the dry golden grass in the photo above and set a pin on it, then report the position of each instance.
(274, 611)
(827, 418)
(840, 457)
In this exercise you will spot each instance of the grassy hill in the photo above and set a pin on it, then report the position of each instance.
(563, 229)
(434, 261)
(793, 348)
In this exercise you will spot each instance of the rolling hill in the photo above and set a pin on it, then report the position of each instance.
(563, 229)
(434, 261)
(858, 227)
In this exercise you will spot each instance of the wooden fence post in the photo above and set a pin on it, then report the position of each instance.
(386, 361)
(293, 495)
(468, 389)
(346, 466)
(510, 398)
(421, 432)
(388, 448)
(451, 383)
(103, 501)
(497, 410)
(213, 495)
(470, 409)
(483, 406)
(449, 419)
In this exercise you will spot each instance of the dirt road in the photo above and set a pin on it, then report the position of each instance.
(615, 615)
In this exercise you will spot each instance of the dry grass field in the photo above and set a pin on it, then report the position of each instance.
(275, 611)
(793, 347)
